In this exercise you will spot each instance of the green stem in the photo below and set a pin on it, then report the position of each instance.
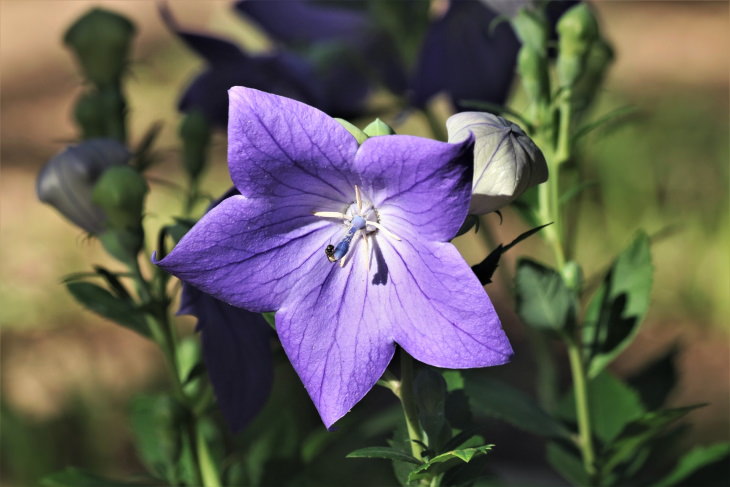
(585, 436)
(208, 471)
(408, 402)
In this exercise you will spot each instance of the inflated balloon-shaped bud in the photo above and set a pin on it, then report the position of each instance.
(598, 59)
(577, 29)
(67, 180)
(506, 161)
(120, 192)
(101, 40)
(195, 132)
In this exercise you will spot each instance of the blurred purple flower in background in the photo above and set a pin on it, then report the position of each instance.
(384, 211)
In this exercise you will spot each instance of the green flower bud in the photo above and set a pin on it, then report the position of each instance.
(533, 69)
(102, 113)
(572, 275)
(120, 192)
(378, 127)
(101, 40)
(577, 29)
(195, 132)
(67, 180)
(531, 28)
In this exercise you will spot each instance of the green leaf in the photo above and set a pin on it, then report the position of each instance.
(102, 302)
(615, 313)
(611, 116)
(695, 459)
(441, 463)
(502, 401)
(155, 422)
(544, 302)
(378, 127)
(74, 477)
(429, 389)
(566, 463)
(612, 405)
(359, 135)
(638, 432)
(486, 268)
(385, 452)
(114, 283)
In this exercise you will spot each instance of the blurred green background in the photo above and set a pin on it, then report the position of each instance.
(67, 375)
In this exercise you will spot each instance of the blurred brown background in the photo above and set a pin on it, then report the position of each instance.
(668, 168)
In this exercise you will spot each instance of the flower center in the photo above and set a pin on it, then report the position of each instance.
(359, 218)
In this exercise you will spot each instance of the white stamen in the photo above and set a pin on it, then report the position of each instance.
(330, 214)
(384, 230)
(358, 199)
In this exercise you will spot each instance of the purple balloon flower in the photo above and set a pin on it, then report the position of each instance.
(348, 244)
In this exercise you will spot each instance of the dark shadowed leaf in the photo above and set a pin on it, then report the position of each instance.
(694, 460)
(100, 301)
(657, 380)
(615, 313)
(485, 269)
(502, 401)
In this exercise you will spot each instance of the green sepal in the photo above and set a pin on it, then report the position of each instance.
(614, 315)
(384, 452)
(378, 127)
(445, 461)
(359, 135)
(270, 319)
(544, 301)
(102, 302)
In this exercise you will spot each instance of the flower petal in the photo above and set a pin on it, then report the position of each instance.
(337, 347)
(441, 314)
(281, 148)
(419, 186)
(237, 354)
(463, 58)
(249, 253)
(298, 21)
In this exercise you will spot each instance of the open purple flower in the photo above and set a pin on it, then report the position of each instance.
(348, 244)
